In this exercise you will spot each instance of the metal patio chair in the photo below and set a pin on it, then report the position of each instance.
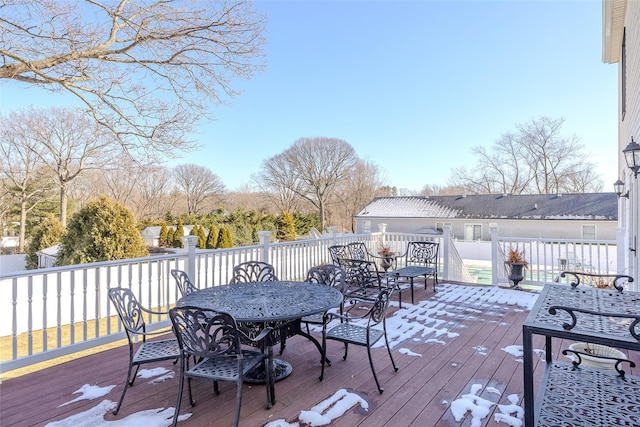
(259, 272)
(213, 339)
(131, 315)
(367, 335)
(185, 285)
(253, 271)
(362, 278)
(424, 254)
(330, 275)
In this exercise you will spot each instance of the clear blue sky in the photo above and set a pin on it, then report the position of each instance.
(414, 85)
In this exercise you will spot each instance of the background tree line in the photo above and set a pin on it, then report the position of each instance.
(54, 160)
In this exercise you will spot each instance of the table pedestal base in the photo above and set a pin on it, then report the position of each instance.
(257, 375)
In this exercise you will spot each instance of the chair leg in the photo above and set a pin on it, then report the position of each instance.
(180, 387)
(323, 356)
(238, 400)
(191, 399)
(127, 383)
(386, 340)
(346, 350)
(375, 377)
(269, 378)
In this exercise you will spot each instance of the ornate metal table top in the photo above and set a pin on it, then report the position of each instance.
(620, 312)
(266, 301)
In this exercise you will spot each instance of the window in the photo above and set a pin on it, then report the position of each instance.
(440, 225)
(472, 232)
(366, 226)
(589, 232)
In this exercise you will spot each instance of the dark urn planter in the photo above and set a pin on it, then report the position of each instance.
(387, 262)
(516, 273)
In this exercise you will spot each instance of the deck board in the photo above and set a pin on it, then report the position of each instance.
(419, 394)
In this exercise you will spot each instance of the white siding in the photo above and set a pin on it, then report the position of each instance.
(629, 126)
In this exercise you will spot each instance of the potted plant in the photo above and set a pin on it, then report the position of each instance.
(387, 256)
(516, 263)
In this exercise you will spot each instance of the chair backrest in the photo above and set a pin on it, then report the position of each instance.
(129, 310)
(339, 252)
(359, 272)
(358, 250)
(253, 271)
(328, 274)
(378, 311)
(184, 283)
(353, 250)
(205, 333)
(425, 253)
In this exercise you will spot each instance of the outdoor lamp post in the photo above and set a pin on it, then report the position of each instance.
(632, 156)
(618, 187)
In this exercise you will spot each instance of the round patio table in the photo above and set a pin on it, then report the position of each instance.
(268, 302)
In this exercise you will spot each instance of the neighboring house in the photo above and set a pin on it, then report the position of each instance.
(592, 216)
(621, 45)
(47, 257)
(151, 235)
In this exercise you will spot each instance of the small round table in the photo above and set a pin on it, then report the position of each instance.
(267, 302)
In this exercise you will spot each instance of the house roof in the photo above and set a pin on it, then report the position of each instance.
(578, 206)
(613, 13)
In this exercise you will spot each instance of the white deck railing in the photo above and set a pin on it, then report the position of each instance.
(47, 313)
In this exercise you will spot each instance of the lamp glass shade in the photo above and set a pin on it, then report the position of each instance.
(632, 156)
(618, 187)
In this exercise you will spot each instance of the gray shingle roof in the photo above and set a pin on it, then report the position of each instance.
(579, 206)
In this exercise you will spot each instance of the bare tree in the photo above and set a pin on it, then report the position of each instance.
(312, 168)
(147, 71)
(22, 169)
(70, 143)
(535, 159)
(358, 188)
(153, 199)
(198, 184)
(279, 182)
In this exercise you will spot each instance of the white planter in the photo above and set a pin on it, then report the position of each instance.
(598, 350)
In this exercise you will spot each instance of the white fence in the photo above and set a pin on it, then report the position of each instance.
(51, 312)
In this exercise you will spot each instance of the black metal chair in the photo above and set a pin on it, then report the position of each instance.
(258, 272)
(424, 254)
(213, 339)
(596, 280)
(362, 278)
(253, 271)
(131, 315)
(348, 332)
(330, 275)
(184, 283)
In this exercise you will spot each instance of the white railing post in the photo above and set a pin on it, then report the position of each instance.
(446, 248)
(190, 242)
(621, 254)
(494, 254)
(264, 242)
(382, 228)
(333, 232)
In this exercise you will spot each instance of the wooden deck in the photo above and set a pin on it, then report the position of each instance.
(457, 344)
